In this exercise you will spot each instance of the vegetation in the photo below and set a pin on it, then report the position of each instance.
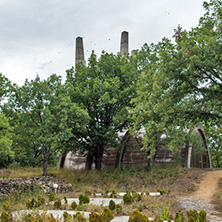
(104, 89)
(167, 89)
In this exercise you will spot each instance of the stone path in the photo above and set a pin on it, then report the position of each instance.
(201, 199)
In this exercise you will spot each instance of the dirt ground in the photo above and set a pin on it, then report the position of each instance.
(206, 186)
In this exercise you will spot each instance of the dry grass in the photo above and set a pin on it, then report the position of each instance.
(161, 177)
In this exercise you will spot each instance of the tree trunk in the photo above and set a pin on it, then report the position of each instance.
(46, 153)
(98, 157)
(89, 161)
(148, 166)
(45, 165)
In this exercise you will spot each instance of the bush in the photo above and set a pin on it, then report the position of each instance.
(33, 203)
(83, 199)
(95, 217)
(136, 216)
(73, 205)
(41, 200)
(65, 200)
(193, 215)
(36, 217)
(113, 194)
(51, 196)
(107, 215)
(203, 215)
(6, 217)
(67, 217)
(6, 206)
(119, 208)
(57, 204)
(179, 217)
(88, 192)
(14, 166)
(79, 217)
(112, 205)
(127, 198)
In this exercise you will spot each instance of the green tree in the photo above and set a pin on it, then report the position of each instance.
(180, 84)
(6, 151)
(104, 89)
(40, 111)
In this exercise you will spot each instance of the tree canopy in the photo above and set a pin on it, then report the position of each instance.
(39, 112)
(104, 89)
(181, 82)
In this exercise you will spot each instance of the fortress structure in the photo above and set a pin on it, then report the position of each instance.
(131, 153)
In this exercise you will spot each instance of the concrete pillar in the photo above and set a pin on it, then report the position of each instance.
(79, 51)
(189, 157)
(124, 43)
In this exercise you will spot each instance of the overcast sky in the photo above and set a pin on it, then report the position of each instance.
(38, 37)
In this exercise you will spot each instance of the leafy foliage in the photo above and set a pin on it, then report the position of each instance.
(104, 89)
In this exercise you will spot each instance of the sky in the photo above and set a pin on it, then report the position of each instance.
(38, 37)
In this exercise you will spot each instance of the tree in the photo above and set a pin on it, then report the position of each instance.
(5, 87)
(40, 111)
(6, 151)
(181, 82)
(104, 89)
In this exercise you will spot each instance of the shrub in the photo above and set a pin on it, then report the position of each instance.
(33, 203)
(83, 199)
(79, 217)
(6, 217)
(57, 204)
(112, 205)
(65, 200)
(67, 217)
(88, 192)
(95, 217)
(41, 200)
(127, 198)
(203, 215)
(28, 218)
(113, 194)
(73, 205)
(119, 208)
(51, 196)
(107, 215)
(179, 217)
(36, 217)
(193, 215)
(136, 216)
(6, 206)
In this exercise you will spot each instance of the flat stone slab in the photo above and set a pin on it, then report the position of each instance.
(97, 201)
(121, 194)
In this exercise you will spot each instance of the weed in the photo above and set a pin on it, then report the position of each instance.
(140, 206)
(163, 210)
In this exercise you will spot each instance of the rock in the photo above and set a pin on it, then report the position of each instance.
(24, 184)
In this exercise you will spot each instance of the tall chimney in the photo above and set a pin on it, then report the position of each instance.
(124, 43)
(79, 51)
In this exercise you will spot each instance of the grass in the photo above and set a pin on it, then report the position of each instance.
(108, 179)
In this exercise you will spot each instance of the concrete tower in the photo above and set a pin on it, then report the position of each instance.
(124, 43)
(79, 51)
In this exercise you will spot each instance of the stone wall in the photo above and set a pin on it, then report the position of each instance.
(17, 185)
